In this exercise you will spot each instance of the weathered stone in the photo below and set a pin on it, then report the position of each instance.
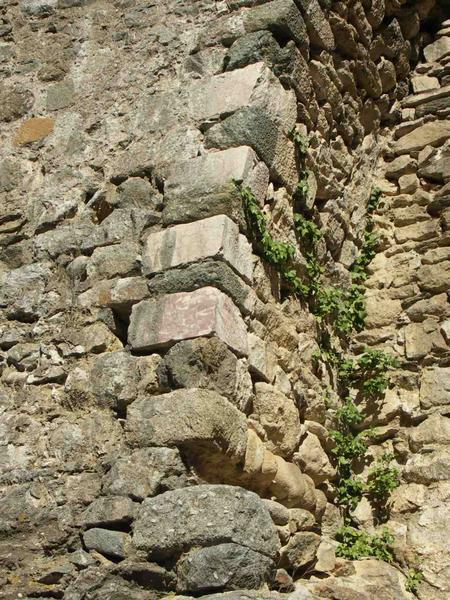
(280, 17)
(313, 461)
(279, 417)
(120, 260)
(14, 102)
(33, 130)
(111, 511)
(427, 468)
(434, 278)
(60, 95)
(206, 186)
(223, 567)
(168, 420)
(381, 313)
(278, 512)
(430, 134)
(208, 363)
(216, 237)
(23, 292)
(208, 273)
(433, 431)
(145, 472)
(319, 30)
(424, 83)
(261, 360)
(114, 379)
(437, 50)
(138, 192)
(96, 338)
(437, 166)
(118, 294)
(254, 85)
(292, 488)
(300, 520)
(204, 312)
(255, 127)
(204, 515)
(110, 543)
(251, 48)
(408, 184)
(300, 550)
(435, 387)
(402, 165)
(417, 343)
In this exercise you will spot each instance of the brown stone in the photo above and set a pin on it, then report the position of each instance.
(33, 130)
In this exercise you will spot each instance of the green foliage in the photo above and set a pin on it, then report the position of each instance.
(345, 308)
(307, 230)
(349, 414)
(413, 579)
(366, 255)
(302, 143)
(374, 200)
(369, 371)
(355, 544)
(383, 478)
(302, 190)
(349, 492)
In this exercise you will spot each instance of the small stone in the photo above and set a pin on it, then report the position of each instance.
(408, 184)
(300, 550)
(33, 130)
(424, 83)
(60, 95)
(110, 543)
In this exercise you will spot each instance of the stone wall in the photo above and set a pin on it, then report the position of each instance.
(167, 390)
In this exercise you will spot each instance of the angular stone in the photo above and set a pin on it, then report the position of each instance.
(203, 274)
(145, 472)
(279, 417)
(216, 237)
(161, 322)
(200, 420)
(33, 130)
(110, 543)
(419, 231)
(300, 550)
(434, 278)
(430, 134)
(256, 128)
(23, 292)
(14, 103)
(110, 511)
(318, 27)
(427, 468)
(436, 167)
(120, 260)
(433, 431)
(435, 387)
(223, 567)
(417, 343)
(278, 512)
(118, 294)
(208, 363)
(204, 515)
(60, 95)
(254, 85)
(313, 460)
(424, 83)
(206, 186)
(260, 358)
(381, 312)
(253, 47)
(114, 379)
(437, 50)
(280, 17)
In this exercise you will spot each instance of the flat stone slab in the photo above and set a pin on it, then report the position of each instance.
(215, 237)
(207, 185)
(430, 134)
(161, 322)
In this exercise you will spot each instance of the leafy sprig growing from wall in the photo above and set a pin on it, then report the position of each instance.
(355, 544)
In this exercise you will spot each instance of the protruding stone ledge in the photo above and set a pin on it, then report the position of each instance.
(206, 186)
(215, 237)
(161, 322)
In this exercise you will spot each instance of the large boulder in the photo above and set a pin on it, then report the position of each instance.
(204, 515)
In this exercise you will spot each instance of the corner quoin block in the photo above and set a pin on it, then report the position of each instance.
(163, 321)
(215, 237)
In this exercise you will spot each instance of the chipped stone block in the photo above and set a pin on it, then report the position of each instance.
(435, 387)
(254, 85)
(215, 237)
(430, 134)
(119, 260)
(255, 127)
(161, 322)
(313, 460)
(110, 543)
(261, 360)
(318, 27)
(206, 186)
(280, 17)
(437, 50)
(109, 511)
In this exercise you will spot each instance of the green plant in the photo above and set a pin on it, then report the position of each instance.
(302, 190)
(355, 544)
(374, 200)
(301, 141)
(349, 492)
(414, 578)
(369, 371)
(383, 478)
(366, 255)
(307, 230)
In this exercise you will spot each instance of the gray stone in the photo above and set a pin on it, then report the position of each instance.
(114, 379)
(200, 420)
(110, 511)
(206, 186)
(120, 260)
(251, 48)
(253, 126)
(60, 95)
(204, 515)
(278, 512)
(15, 102)
(110, 543)
(223, 567)
(280, 17)
(319, 30)
(207, 363)
(23, 292)
(300, 550)
(433, 134)
(138, 192)
(145, 472)
(163, 321)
